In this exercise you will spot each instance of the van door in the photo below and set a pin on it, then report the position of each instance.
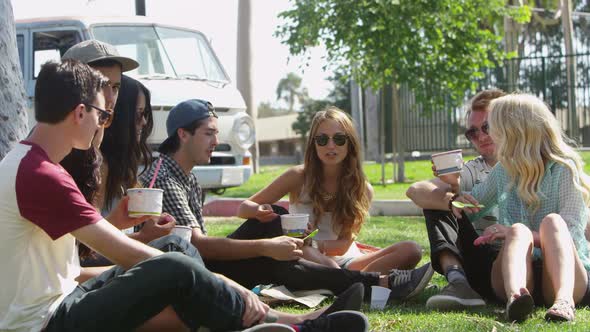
(23, 44)
(47, 44)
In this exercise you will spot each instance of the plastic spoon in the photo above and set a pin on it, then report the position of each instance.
(460, 205)
(312, 234)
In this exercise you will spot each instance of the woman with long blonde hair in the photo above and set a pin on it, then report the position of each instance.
(542, 195)
(331, 187)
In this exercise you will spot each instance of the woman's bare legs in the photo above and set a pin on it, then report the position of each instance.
(402, 255)
(564, 276)
(508, 275)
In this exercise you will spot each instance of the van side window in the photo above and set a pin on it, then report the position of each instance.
(20, 44)
(51, 45)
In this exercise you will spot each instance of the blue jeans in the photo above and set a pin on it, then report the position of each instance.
(119, 300)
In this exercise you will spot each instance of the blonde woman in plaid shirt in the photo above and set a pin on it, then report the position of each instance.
(542, 198)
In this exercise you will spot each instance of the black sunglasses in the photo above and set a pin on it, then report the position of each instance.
(105, 117)
(339, 139)
(473, 133)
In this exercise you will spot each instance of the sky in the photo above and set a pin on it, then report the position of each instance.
(218, 20)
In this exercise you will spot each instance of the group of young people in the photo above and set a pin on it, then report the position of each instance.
(86, 166)
(64, 201)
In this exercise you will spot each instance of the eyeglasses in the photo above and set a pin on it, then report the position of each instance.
(105, 117)
(473, 133)
(339, 139)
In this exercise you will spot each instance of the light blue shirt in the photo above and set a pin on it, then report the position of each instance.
(557, 194)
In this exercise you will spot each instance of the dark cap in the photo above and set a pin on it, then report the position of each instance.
(187, 112)
(93, 50)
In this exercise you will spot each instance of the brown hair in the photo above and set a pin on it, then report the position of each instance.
(481, 101)
(351, 204)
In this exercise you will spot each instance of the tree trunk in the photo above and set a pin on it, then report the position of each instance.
(244, 68)
(372, 115)
(13, 117)
(570, 63)
(358, 114)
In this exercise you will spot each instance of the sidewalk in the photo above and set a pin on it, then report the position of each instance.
(228, 207)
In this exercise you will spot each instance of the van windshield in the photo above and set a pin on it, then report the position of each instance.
(164, 53)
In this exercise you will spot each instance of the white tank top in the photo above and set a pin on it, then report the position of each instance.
(326, 231)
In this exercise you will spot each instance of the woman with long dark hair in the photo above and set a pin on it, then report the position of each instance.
(124, 146)
(110, 167)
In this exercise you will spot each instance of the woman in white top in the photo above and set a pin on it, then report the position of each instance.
(331, 187)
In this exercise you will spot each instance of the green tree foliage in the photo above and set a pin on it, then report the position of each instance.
(303, 123)
(438, 47)
(340, 95)
(290, 90)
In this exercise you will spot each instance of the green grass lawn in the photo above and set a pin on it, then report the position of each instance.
(415, 171)
(413, 316)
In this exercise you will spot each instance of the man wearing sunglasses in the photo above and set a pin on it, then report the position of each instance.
(451, 240)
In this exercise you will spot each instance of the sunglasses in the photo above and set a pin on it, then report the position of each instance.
(473, 133)
(339, 139)
(105, 117)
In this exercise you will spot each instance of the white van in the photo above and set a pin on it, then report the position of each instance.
(176, 64)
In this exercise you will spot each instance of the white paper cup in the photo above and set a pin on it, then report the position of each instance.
(448, 162)
(379, 296)
(184, 232)
(294, 225)
(144, 201)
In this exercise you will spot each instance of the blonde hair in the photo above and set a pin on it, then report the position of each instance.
(351, 204)
(527, 136)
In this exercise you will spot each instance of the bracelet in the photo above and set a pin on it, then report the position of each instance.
(453, 198)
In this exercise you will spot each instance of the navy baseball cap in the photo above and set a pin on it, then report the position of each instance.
(187, 112)
(182, 116)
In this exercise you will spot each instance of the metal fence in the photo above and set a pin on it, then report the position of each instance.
(545, 77)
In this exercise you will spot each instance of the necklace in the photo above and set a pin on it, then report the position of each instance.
(326, 196)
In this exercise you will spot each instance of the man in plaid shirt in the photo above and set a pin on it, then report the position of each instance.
(250, 261)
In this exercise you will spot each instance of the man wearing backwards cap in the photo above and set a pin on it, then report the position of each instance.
(248, 260)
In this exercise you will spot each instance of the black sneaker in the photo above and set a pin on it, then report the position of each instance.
(405, 284)
(350, 299)
(456, 295)
(341, 321)
(273, 327)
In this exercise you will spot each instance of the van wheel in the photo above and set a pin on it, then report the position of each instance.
(218, 191)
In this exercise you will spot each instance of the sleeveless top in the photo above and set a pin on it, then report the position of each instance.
(325, 226)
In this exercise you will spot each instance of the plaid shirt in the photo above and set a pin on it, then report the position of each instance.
(182, 193)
